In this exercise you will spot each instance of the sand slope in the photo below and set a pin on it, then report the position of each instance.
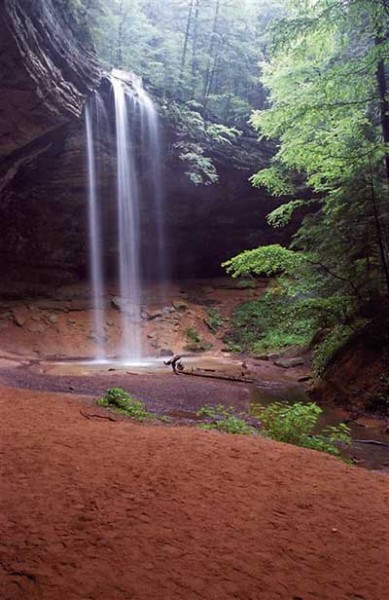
(93, 509)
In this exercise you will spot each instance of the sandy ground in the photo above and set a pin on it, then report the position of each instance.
(94, 509)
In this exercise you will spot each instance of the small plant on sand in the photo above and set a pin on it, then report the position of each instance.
(224, 419)
(296, 424)
(121, 401)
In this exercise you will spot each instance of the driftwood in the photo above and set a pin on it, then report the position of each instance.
(179, 369)
(175, 364)
(373, 442)
(215, 376)
(96, 416)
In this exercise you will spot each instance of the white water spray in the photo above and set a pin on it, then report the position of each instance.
(134, 113)
(95, 255)
(128, 224)
(151, 135)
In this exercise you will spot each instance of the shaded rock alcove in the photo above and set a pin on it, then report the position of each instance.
(49, 69)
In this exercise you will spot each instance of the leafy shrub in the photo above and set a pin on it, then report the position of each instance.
(265, 260)
(214, 412)
(292, 310)
(296, 424)
(224, 419)
(286, 316)
(271, 322)
(121, 401)
(290, 423)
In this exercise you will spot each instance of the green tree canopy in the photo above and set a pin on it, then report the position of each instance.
(203, 50)
(328, 108)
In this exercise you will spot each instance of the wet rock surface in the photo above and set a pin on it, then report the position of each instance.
(48, 69)
(44, 214)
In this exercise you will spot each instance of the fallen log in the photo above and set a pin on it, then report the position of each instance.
(374, 442)
(216, 376)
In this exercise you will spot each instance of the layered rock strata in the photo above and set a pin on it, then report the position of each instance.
(47, 69)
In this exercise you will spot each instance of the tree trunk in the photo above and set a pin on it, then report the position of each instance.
(380, 236)
(384, 107)
(186, 41)
(194, 65)
(211, 50)
(119, 48)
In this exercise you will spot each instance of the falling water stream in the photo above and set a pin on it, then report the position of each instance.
(128, 224)
(134, 114)
(150, 133)
(93, 110)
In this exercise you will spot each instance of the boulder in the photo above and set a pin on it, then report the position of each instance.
(288, 363)
(20, 315)
(165, 352)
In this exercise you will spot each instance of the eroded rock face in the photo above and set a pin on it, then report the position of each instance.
(47, 69)
(357, 375)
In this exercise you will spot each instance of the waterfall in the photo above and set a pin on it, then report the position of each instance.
(136, 134)
(128, 223)
(151, 136)
(92, 116)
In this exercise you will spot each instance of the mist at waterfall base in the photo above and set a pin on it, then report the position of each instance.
(134, 126)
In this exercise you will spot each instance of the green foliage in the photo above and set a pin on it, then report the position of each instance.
(192, 335)
(222, 134)
(265, 260)
(327, 81)
(335, 339)
(189, 49)
(297, 423)
(290, 423)
(214, 319)
(230, 109)
(286, 315)
(121, 401)
(270, 323)
(199, 168)
(202, 60)
(194, 341)
(224, 419)
(326, 78)
(273, 179)
(281, 216)
(195, 138)
(191, 141)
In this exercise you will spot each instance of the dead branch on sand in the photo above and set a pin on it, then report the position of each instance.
(96, 416)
